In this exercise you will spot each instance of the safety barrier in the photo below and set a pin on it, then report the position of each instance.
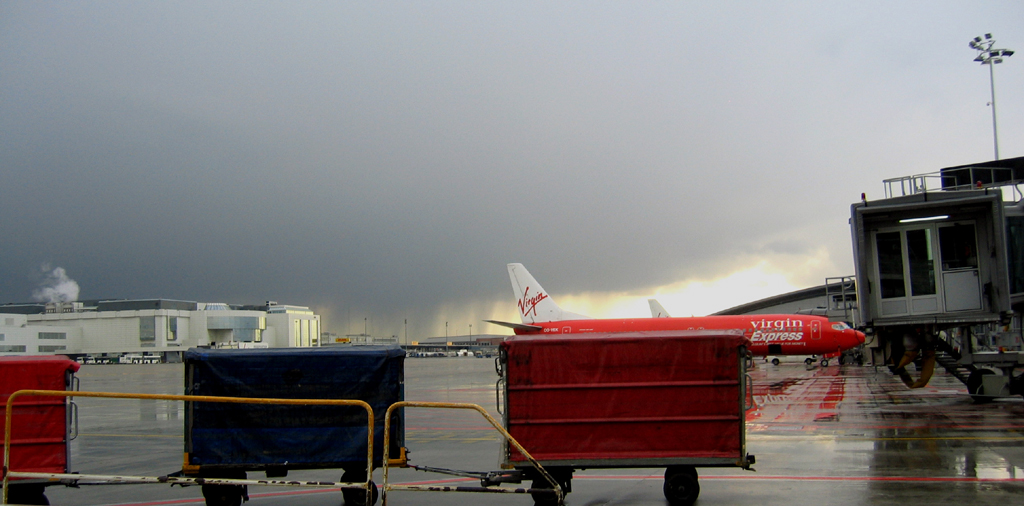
(367, 486)
(386, 487)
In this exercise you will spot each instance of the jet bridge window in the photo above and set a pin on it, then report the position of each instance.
(922, 262)
(890, 265)
(958, 249)
(1015, 252)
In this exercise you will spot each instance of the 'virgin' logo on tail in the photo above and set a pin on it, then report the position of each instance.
(528, 303)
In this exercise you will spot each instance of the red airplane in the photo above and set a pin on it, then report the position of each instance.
(769, 334)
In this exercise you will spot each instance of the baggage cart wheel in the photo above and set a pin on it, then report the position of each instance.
(27, 494)
(225, 495)
(563, 475)
(354, 496)
(544, 498)
(775, 361)
(808, 361)
(824, 362)
(681, 486)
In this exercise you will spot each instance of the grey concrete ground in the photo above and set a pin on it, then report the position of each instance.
(840, 435)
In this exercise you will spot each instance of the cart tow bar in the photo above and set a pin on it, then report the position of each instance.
(487, 478)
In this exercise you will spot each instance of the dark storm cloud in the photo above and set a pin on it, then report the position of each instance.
(385, 161)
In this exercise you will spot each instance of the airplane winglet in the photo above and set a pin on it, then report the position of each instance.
(516, 326)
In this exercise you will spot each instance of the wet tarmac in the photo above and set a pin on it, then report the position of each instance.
(838, 435)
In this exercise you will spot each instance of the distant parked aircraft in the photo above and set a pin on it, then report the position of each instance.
(769, 334)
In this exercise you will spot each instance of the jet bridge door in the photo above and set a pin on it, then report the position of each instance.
(961, 283)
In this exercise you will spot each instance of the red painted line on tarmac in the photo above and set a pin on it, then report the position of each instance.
(482, 427)
(855, 425)
(288, 493)
(919, 479)
(951, 479)
(157, 503)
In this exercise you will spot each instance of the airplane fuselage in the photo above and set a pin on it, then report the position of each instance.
(768, 334)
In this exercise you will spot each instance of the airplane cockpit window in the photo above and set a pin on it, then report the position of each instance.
(840, 326)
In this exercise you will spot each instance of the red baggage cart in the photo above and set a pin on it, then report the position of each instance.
(626, 400)
(40, 431)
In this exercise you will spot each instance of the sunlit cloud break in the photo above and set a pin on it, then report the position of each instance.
(767, 277)
(57, 287)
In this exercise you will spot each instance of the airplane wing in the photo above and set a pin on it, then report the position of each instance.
(516, 326)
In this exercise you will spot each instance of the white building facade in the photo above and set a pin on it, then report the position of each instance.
(152, 327)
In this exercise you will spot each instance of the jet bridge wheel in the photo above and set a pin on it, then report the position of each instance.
(681, 486)
(975, 387)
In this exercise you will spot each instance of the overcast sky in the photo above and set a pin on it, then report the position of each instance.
(385, 160)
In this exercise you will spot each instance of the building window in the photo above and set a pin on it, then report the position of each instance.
(9, 322)
(1, 337)
(51, 349)
(53, 335)
(172, 328)
(147, 328)
(248, 335)
(15, 348)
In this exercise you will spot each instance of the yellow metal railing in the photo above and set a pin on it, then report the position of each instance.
(386, 487)
(8, 473)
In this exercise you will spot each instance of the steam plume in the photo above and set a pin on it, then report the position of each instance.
(57, 287)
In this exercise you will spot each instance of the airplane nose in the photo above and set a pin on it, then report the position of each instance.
(860, 336)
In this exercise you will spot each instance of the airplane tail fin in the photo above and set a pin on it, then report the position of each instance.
(535, 305)
(657, 311)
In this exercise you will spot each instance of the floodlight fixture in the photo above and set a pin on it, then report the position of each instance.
(989, 56)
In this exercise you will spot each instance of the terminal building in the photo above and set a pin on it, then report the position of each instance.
(151, 329)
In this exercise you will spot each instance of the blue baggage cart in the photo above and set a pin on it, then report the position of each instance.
(227, 440)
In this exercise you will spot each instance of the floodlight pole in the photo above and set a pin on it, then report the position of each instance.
(990, 57)
(995, 129)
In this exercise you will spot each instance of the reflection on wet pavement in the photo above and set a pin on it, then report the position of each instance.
(862, 422)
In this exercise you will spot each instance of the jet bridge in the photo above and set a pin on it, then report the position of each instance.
(940, 267)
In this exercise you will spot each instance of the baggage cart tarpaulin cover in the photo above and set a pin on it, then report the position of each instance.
(39, 429)
(626, 398)
(254, 435)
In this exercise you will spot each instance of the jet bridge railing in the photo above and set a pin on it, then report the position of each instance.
(841, 298)
(387, 487)
(965, 178)
(75, 478)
